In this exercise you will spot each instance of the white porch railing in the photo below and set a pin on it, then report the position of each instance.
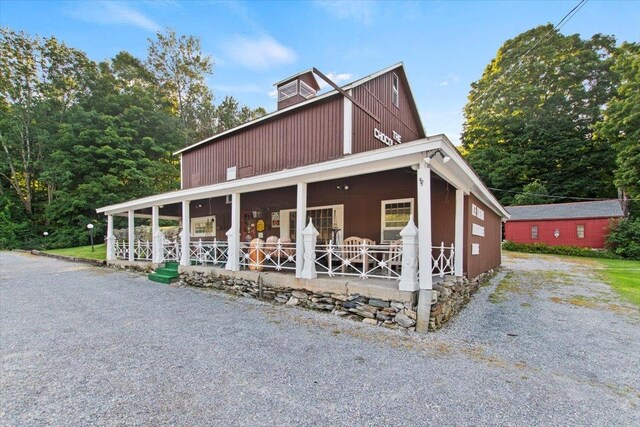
(271, 255)
(363, 260)
(214, 253)
(143, 251)
(121, 249)
(171, 250)
(442, 260)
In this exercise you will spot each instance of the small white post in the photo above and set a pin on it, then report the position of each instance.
(185, 235)
(111, 239)
(157, 236)
(310, 237)
(131, 234)
(409, 273)
(301, 214)
(459, 233)
(233, 235)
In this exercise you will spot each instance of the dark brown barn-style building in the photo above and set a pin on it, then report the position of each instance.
(343, 187)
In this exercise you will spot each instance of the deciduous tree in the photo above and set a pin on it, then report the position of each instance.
(531, 115)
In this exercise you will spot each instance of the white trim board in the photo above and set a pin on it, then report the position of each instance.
(385, 158)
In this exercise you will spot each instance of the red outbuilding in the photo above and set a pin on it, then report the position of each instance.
(584, 224)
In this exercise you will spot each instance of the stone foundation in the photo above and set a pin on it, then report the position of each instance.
(450, 296)
(390, 314)
(447, 300)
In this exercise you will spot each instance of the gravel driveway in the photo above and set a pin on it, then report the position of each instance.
(544, 344)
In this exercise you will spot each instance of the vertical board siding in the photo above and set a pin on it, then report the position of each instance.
(490, 244)
(309, 135)
(375, 95)
(595, 232)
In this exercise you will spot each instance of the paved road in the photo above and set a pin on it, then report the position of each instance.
(83, 345)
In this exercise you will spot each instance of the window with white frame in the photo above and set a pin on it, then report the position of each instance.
(204, 226)
(580, 231)
(534, 231)
(395, 216)
(395, 90)
(328, 220)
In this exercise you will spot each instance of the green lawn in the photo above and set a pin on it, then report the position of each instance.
(624, 277)
(82, 252)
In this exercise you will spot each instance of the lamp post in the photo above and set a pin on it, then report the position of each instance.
(90, 227)
(45, 234)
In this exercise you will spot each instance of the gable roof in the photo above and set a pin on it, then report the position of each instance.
(325, 95)
(598, 209)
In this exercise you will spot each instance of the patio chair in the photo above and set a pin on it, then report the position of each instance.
(351, 248)
(394, 257)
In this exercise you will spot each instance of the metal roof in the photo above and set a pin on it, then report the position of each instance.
(598, 209)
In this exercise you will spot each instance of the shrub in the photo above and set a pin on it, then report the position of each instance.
(624, 238)
(541, 248)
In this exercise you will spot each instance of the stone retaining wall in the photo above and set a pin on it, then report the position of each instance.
(447, 300)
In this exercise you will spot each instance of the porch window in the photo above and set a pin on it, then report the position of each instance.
(395, 91)
(204, 226)
(395, 215)
(326, 219)
(580, 230)
(534, 231)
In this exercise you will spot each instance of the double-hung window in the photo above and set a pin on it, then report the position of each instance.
(395, 216)
(580, 231)
(395, 90)
(203, 226)
(534, 231)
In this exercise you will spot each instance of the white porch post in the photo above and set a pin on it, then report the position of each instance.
(301, 215)
(156, 236)
(131, 228)
(409, 273)
(424, 253)
(459, 234)
(310, 236)
(111, 239)
(185, 236)
(233, 235)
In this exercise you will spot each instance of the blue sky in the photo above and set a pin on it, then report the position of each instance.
(444, 45)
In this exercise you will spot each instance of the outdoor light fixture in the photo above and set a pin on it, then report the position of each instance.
(433, 153)
(45, 234)
(90, 227)
(556, 233)
(344, 187)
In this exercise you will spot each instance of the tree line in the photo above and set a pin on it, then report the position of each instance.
(76, 134)
(556, 115)
(556, 118)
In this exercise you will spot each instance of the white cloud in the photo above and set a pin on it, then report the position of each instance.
(107, 12)
(361, 11)
(451, 78)
(337, 78)
(273, 93)
(258, 54)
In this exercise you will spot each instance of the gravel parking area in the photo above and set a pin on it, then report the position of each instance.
(545, 344)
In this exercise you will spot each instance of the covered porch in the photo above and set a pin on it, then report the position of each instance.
(357, 218)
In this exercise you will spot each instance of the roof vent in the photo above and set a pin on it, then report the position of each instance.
(296, 89)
